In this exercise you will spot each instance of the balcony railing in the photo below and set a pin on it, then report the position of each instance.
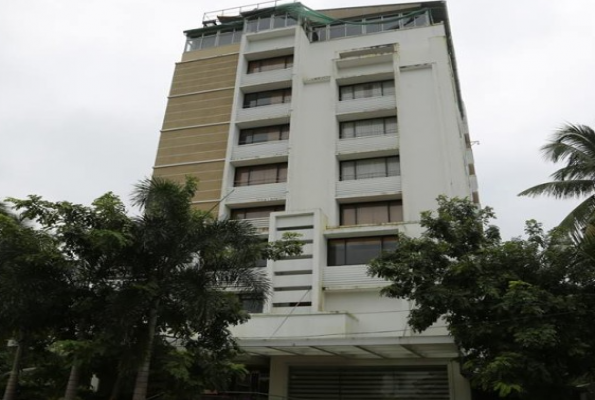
(264, 112)
(369, 187)
(367, 105)
(365, 144)
(257, 193)
(277, 148)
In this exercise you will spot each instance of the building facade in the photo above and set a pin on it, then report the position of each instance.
(341, 125)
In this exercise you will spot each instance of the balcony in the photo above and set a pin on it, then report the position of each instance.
(274, 149)
(370, 144)
(350, 277)
(257, 193)
(272, 112)
(368, 187)
(266, 78)
(366, 105)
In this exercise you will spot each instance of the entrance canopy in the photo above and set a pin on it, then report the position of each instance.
(422, 347)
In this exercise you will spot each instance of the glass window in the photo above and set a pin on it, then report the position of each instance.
(356, 251)
(336, 31)
(353, 30)
(367, 90)
(264, 134)
(368, 127)
(225, 38)
(379, 212)
(237, 36)
(260, 174)
(270, 64)
(374, 25)
(279, 21)
(251, 303)
(369, 168)
(267, 98)
(290, 21)
(252, 25)
(208, 41)
(255, 212)
(264, 23)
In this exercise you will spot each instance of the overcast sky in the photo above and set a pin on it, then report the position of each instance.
(84, 84)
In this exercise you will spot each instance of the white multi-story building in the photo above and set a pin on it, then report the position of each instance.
(341, 125)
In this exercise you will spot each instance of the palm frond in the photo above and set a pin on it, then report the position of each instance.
(579, 218)
(562, 189)
(573, 142)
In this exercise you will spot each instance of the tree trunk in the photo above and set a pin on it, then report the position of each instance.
(116, 388)
(73, 381)
(10, 392)
(142, 378)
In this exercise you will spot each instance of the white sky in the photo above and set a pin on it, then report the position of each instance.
(84, 83)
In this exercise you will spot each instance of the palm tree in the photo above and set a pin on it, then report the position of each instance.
(573, 145)
(183, 261)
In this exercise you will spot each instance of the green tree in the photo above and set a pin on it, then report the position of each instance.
(167, 279)
(574, 146)
(183, 265)
(33, 289)
(520, 311)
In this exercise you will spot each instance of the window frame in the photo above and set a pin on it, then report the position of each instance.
(387, 88)
(256, 66)
(387, 170)
(385, 130)
(285, 95)
(340, 257)
(279, 168)
(359, 208)
(246, 136)
(234, 212)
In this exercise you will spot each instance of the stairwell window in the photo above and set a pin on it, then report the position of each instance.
(368, 127)
(378, 212)
(355, 251)
(270, 64)
(267, 98)
(367, 90)
(260, 174)
(369, 168)
(264, 134)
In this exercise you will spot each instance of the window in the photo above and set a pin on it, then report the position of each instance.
(270, 64)
(264, 134)
(255, 212)
(354, 251)
(368, 127)
(367, 90)
(267, 98)
(261, 174)
(378, 212)
(370, 168)
(251, 303)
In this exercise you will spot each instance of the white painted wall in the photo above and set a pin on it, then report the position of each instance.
(430, 145)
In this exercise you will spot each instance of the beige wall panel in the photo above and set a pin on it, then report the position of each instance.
(179, 134)
(211, 170)
(216, 116)
(190, 157)
(212, 206)
(210, 138)
(212, 52)
(198, 109)
(204, 75)
(193, 149)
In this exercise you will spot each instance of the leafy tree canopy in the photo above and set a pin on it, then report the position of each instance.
(520, 311)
